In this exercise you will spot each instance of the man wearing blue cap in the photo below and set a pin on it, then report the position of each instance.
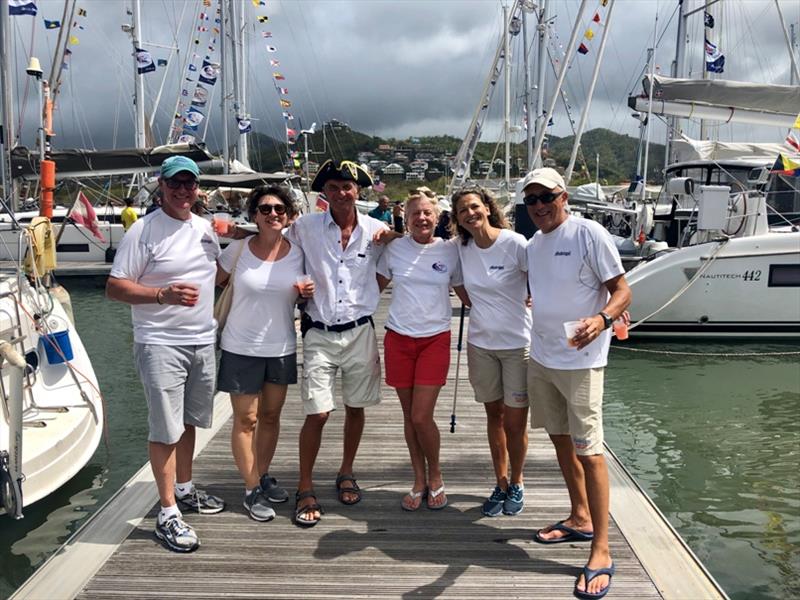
(165, 268)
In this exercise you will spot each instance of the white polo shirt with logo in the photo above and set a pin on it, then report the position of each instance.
(567, 271)
(495, 279)
(422, 276)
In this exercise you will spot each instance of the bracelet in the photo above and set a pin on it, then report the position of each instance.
(158, 295)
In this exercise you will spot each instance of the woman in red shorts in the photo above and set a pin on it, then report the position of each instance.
(417, 342)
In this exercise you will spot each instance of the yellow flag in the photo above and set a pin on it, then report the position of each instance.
(797, 123)
(589, 34)
(73, 41)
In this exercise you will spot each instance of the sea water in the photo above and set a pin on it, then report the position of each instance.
(711, 431)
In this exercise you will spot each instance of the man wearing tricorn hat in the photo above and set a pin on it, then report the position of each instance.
(338, 334)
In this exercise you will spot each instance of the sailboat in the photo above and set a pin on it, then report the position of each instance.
(733, 265)
(51, 411)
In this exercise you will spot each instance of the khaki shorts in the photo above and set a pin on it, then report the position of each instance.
(568, 402)
(496, 374)
(355, 353)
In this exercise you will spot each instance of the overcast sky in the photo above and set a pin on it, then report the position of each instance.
(391, 68)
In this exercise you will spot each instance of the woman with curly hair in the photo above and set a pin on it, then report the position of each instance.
(494, 269)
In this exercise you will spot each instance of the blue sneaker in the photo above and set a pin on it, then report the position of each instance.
(493, 507)
(515, 499)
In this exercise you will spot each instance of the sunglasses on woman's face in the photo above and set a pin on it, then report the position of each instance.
(547, 198)
(266, 209)
(188, 184)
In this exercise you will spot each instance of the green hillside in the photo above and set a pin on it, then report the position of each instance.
(617, 152)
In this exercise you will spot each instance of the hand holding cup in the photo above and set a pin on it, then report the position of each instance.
(305, 285)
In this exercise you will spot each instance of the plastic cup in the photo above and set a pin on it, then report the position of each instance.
(620, 329)
(303, 279)
(221, 223)
(571, 330)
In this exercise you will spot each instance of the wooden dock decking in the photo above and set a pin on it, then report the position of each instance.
(372, 549)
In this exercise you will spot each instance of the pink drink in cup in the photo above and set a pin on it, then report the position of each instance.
(221, 223)
(620, 329)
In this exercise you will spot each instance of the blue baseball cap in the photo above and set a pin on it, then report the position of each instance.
(175, 164)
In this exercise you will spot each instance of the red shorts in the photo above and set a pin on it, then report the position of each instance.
(416, 361)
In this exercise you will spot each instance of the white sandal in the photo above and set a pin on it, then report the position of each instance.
(435, 494)
(420, 495)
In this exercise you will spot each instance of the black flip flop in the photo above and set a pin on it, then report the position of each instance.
(573, 535)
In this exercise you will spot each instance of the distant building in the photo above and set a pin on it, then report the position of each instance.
(414, 176)
(393, 172)
(432, 174)
(385, 148)
(377, 165)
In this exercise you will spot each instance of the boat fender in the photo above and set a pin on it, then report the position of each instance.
(60, 293)
(9, 353)
(42, 247)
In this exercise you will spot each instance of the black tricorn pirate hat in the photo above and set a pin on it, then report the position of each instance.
(345, 171)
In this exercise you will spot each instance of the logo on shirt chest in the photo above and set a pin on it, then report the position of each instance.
(439, 267)
(563, 253)
(497, 267)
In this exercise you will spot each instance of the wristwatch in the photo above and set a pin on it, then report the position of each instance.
(607, 320)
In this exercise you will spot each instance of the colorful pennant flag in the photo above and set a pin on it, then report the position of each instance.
(22, 7)
(288, 116)
(322, 203)
(284, 91)
(200, 96)
(209, 73)
(582, 49)
(589, 34)
(596, 17)
(792, 140)
(244, 126)
(262, 18)
(278, 76)
(266, 34)
(796, 122)
(715, 61)
(285, 103)
(82, 213)
(73, 41)
(185, 138)
(291, 132)
(258, 3)
(144, 61)
(52, 24)
(194, 117)
(708, 20)
(271, 49)
(81, 12)
(161, 62)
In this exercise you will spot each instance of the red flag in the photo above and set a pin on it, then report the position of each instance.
(322, 204)
(82, 213)
(792, 140)
(291, 132)
(583, 49)
(596, 17)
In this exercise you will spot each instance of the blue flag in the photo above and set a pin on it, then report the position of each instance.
(21, 7)
(244, 125)
(52, 24)
(144, 62)
(208, 73)
(717, 65)
(162, 62)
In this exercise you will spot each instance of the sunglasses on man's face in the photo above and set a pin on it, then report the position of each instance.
(547, 198)
(188, 184)
(266, 209)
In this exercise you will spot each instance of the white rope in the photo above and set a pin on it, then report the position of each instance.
(688, 284)
(723, 354)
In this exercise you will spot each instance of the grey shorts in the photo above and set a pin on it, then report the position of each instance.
(240, 374)
(178, 384)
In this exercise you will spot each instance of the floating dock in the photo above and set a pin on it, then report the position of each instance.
(373, 549)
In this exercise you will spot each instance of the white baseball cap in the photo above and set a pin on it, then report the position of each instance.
(546, 176)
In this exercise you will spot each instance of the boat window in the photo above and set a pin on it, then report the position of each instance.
(784, 276)
(72, 248)
(783, 195)
(732, 176)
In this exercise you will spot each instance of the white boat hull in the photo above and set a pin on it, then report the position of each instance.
(751, 289)
(61, 426)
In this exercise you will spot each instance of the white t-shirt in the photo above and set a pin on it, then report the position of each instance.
(345, 288)
(261, 320)
(422, 275)
(567, 269)
(496, 283)
(158, 251)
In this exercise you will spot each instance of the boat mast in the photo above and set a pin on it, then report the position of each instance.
(677, 71)
(136, 36)
(507, 95)
(793, 50)
(539, 121)
(224, 100)
(568, 55)
(238, 67)
(527, 84)
(585, 114)
(7, 130)
(795, 73)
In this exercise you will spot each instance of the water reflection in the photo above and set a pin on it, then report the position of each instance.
(714, 440)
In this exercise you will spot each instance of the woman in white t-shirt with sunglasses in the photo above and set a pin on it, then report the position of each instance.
(259, 341)
(417, 342)
(494, 267)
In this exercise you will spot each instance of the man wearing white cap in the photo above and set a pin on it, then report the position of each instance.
(574, 274)
(165, 268)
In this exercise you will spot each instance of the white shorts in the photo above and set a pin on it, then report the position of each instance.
(355, 353)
